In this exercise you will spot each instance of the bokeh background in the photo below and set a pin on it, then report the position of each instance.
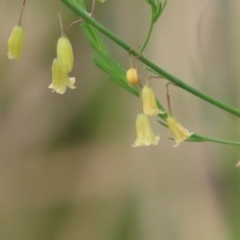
(67, 168)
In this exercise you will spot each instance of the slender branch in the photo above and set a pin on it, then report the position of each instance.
(216, 140)
(206, 139)
(150, 64)
(148, 37)
(59, 17)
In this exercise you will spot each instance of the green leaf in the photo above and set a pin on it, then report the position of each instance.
(101, 57)
(157, 8)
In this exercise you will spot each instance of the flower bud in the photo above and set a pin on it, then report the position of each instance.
(145, 135)
(179, 133)
(132, 76)
(149, 102)
(15, 43)
(65, 54)
(60, 79)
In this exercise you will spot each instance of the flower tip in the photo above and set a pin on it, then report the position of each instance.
(10, 56)
(145, 135)
(60, 79)
(61, 90)
(51, 86)
(176, 145)
(179, 133)
(71, 82)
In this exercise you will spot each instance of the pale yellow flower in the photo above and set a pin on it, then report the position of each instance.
(101, 1)
(179, 133)
(65, 54)
(145, 135)
(149, 102)
(60, 79)
(132, 76)
(15, 43)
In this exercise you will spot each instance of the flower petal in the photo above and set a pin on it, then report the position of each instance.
(149, 102)
(179, 133)
(145, 135)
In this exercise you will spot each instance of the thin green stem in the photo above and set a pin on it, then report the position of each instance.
(199, 138)
(59, 17)
(61, 24)
(215, 140)
(150, 64)
(148, 37)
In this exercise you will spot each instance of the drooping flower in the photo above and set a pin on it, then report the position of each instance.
(132, 76)
(179, 133)
(60, 79)
(145, 135)
(15, 42)
(149, 102)
(65, 54)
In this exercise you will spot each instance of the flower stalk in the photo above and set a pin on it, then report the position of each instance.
(21, 13)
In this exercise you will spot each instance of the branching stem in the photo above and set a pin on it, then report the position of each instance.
(150, 64)
(147, 38)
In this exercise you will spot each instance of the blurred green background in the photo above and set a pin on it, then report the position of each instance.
(67, 168)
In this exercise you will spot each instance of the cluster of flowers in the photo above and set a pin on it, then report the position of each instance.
(62, 66)
(145, 135)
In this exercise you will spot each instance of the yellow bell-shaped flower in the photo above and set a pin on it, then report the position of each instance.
(132, 76)
(15, 42)
(149, 102)
(65, 54)
(179, 133)
(145, 135)
(60, 79)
